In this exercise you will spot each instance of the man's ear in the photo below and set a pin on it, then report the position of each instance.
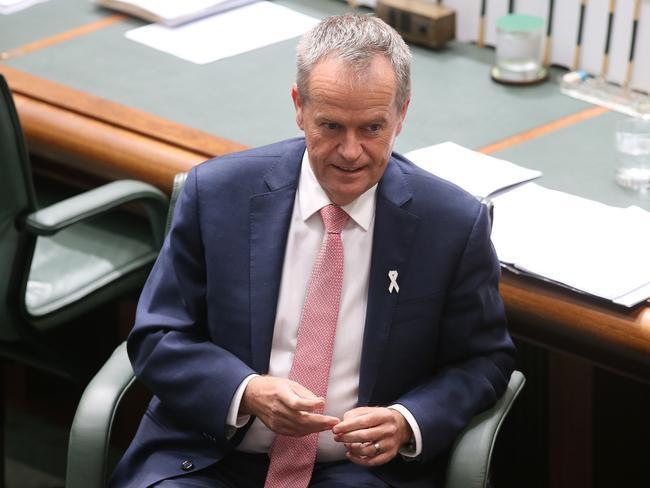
(297, 103)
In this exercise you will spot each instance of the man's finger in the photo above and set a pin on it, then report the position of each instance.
(368, 461)
(364, 420)
(301, 404)
(317, 422)
(356, 412)
(361, 449)
(361, 435)
(303, 398)
(301, 423)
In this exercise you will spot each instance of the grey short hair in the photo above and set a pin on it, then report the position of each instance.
(355, 39)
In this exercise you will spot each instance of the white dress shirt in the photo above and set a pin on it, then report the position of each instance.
(306, 234)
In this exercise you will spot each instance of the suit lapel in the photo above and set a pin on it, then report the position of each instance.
(393, 237)
(270, 217)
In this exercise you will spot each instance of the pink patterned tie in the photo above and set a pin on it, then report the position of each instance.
(292, 458)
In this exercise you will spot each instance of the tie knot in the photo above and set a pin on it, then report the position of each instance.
(334, 218)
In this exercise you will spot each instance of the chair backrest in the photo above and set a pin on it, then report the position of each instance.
(16, 198)
(90, 433)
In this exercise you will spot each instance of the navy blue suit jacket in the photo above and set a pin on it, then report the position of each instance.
(205, 318)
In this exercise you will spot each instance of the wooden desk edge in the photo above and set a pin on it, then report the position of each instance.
(610, 336)
(104, 138)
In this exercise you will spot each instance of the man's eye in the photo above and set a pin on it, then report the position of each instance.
(374, 128)
(330, 125)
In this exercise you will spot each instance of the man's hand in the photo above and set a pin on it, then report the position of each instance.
(285, 407)
(372, 435)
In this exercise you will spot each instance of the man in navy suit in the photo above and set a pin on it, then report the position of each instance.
(420, 343)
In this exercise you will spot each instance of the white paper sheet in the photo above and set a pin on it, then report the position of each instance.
(172, 12)
(227, 34)
(479, 174)
(586, 245)
(10, 6)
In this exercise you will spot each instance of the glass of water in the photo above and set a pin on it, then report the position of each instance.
(519, 49)
(633, 154)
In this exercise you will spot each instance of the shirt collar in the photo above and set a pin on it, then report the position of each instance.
(312, 197)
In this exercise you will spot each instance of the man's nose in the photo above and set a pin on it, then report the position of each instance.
(350, 147)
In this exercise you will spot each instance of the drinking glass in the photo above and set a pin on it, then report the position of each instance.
(633, 154)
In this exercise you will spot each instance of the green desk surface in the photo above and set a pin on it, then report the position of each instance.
(578, 159)
(46, 19)
(246, 98)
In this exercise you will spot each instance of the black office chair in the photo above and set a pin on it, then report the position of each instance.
(88, 448)
(58, 262)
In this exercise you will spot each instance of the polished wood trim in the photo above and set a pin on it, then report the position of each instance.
(536, 132)
(611, 336)
(92, 146)
(61, 37)
(122, 116)
(104, 138)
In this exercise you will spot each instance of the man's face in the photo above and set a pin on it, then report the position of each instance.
(350, 124)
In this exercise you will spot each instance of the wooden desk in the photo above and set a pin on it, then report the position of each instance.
(119, 141)
(613, 337)
(91, 123)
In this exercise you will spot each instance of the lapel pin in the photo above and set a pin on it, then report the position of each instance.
(393, 281)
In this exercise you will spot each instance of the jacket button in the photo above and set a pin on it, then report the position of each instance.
(187, 465)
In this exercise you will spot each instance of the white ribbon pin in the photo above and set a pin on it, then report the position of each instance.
(393, 281)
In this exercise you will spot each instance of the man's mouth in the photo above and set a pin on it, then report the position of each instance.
(349, 169)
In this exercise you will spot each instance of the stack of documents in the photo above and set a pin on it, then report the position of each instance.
(10, 6)
(579, 243)
(171, 12)
(479, 174)
(573, 242)
(227, 34)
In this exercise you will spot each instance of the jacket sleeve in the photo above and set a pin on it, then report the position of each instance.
(170, 347)
(475, 355)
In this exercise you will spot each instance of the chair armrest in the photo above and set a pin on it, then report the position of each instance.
(177, 189)
(470, 456)
(91, 427)
(50, 220)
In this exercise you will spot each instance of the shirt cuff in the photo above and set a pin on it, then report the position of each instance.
(234, 420)
(412, 450)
